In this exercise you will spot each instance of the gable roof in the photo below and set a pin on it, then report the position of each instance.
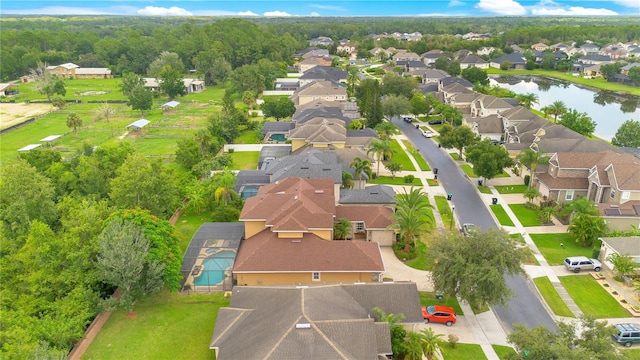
(321, 72)
(375, 194)
(374, 217)
(473, 59)
(321, 130)
(628, 245)
(514, 58)
(266, 252)
(312, 163)
(293, 204)
(260, 322)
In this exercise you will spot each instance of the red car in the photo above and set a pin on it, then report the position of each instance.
(440, 314)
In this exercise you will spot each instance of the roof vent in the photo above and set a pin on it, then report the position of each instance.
(303, 326)
(319, 191)
(296, 241)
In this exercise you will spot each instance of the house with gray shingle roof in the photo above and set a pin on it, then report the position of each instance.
(323, 322)
(319, 89)
(608, 178)
(517, 60)
(628, 245)
(370, 195)
(470, 61)
(486, 105)
(322, 72)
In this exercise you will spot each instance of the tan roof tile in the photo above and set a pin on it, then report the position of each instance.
(374, 217)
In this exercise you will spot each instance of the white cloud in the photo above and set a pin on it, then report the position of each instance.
(628, 3)
(573, 11)
(328, 7)
(247, 13)
(501, 7)
(161, 11)
(453, 3)
(313, 13)
(276, 13)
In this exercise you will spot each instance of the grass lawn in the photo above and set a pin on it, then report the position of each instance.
(432, 182)
(429, 298)
(592, 298)
(511, 189)
(504, 352)
(444, 207)
(501, 215)
(484, 189)
(455, 156)
(247, 137)
(549, 246)
(188, 224)
(244, 160)
(526, 216)
(631, 353)
(400, 156)
(167, 326)
(462, 352)
(422, 163)
(551, 297)
(421, 261)
(399, 180)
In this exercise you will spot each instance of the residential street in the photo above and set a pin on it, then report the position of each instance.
(525, 306)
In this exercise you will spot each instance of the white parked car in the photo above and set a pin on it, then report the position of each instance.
(427, 133)
(577, 263)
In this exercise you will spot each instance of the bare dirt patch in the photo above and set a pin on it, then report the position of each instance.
(12, 114)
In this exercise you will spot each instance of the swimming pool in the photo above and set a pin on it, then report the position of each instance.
(277, 137)
(214, 267)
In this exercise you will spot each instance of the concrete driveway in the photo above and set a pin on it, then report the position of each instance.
(398, 271)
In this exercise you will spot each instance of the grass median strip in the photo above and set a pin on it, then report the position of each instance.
(551, 297)
(501, 215)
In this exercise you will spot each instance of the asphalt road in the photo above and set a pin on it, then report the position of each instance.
(524, 307)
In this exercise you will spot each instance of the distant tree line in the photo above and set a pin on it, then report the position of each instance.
(131, 44)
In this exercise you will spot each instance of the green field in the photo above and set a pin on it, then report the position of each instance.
(553, 252)
(527, 217)
(462, 351)
(166, 326)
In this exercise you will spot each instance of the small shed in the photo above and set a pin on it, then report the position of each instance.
(49, 139)
(170, 105)
(29, 147)
(138, 124)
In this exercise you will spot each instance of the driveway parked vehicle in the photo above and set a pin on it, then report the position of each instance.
(439, 314)
(577, 263)
(427, 133)
(435, 122)
(627, 334)
(468, 228)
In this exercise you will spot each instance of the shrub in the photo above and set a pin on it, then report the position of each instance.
(408, 179)
(526, 179)
(595, 253)
(231, 150)
(453, 340)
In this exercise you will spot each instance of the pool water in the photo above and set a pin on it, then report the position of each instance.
(214, 267)
(277, 137)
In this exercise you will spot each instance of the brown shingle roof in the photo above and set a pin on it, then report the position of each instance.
(293, 204)
(266, 252)
(562, 183)
(374, 217)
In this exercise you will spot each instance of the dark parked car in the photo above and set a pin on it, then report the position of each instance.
(435, 122)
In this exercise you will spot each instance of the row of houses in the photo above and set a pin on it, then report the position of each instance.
(295, 281)
(579, 167)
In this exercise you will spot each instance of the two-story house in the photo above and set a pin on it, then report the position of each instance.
(289, 238)
(319, 90)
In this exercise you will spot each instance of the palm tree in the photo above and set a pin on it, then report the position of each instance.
(74, 121)
(546, 110)
(585, 229)
(361, 166)
(196, 195)
(531, 159)
(429, 342)
(381, 149)
(545, 214)
(105, 111)
(353, 78)
(347, 180)
(413, 349)
(386, 129)
(557, 108)
(411, 217)
(531, 193)
(527, 100)
(342, 229)
(393, 168)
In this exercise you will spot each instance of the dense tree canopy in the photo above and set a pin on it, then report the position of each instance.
(488, 159)
(473, 267)
(628, 134)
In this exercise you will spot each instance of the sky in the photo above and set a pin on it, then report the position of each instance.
(287, 8)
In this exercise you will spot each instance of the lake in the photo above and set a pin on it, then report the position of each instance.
(607, 113)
